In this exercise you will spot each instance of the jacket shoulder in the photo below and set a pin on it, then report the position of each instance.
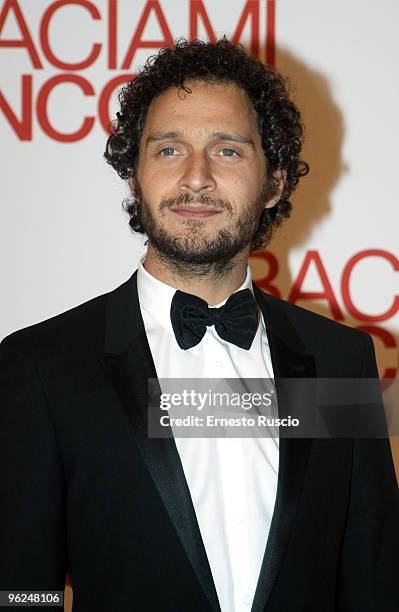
(80, 322)
(314, 328)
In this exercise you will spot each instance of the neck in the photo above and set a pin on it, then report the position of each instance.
(213, 283)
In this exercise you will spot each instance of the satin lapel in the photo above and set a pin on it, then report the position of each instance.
(130, 367)
(289, 361)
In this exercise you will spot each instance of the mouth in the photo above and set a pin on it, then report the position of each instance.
(196, 212)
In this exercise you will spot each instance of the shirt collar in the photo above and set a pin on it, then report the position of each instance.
(155, 296)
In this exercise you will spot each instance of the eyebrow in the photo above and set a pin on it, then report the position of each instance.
(215, 136)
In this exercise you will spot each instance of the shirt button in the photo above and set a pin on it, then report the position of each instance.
(240, 520)
(247, 599)
(218, 364)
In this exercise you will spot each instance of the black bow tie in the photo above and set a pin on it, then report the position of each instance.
(235, 322)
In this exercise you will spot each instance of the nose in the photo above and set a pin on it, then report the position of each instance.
(197, 175)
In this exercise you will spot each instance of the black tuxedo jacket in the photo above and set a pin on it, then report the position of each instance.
(85, 492)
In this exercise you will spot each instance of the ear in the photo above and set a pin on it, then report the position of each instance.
(279, 178)
(132, 184)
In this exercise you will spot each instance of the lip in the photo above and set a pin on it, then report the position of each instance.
(196, 212)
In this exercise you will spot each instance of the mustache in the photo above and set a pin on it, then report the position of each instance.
(188, 198)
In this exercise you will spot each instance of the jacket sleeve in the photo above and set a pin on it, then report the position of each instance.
(369, 579)
(32, 525)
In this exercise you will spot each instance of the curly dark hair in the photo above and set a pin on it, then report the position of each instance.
(279, 120)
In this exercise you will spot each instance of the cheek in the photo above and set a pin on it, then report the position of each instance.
(157, 183)
(244, 190)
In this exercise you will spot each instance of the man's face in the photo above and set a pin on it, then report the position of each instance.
(201, 177)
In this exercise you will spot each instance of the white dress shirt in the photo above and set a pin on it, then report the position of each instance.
(232, 481)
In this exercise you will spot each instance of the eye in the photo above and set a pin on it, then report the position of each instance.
(167, 152)
(226, 152)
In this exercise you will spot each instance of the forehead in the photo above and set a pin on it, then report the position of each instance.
(209, 107)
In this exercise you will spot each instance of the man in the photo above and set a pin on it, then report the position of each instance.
(209, 142)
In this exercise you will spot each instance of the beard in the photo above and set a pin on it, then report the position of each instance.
(193, 253)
